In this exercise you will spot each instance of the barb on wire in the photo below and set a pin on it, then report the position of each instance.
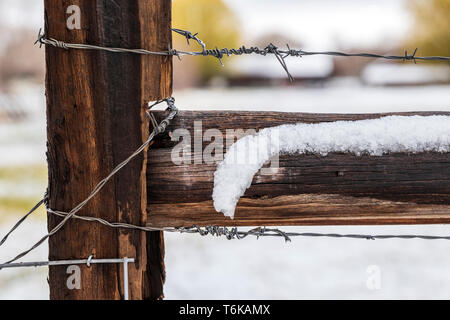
(280, 54)
(259, 232)
(156, 131)
(273, 49)
(411, 57)
(188, 35)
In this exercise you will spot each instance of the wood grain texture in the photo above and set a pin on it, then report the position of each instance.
(339, 189)
(96, 119)
(157, 83)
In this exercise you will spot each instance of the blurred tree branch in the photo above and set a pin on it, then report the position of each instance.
(431, 29)
(216, 24)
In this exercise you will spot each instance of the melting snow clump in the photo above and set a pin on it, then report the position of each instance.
(411, 134)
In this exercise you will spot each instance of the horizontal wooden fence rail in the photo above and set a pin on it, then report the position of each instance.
(339, 189)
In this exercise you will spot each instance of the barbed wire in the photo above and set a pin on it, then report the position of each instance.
(229, 233)
(157, 129)
(235, 233)
(271, 49)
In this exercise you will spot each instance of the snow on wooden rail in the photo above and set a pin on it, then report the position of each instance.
(375, 137)
(340, 188)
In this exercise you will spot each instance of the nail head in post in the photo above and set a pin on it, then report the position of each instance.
(89, 260)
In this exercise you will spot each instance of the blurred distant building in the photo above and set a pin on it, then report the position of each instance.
(11, 109)
(402, 74)
(22, 65)
(345, 67)
(264, 70)
(20, 60)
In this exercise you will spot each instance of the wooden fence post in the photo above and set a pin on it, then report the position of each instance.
(96, 119)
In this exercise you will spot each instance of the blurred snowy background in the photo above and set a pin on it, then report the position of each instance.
(269, 268)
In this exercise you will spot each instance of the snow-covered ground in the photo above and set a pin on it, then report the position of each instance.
(26, 283)
(401, 74)
(211, 268)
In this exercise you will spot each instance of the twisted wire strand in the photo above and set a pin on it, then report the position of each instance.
(157, 130)
(215, 231)
(235, 233)
(271, 49)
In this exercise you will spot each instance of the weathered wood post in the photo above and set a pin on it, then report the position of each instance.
(96, 119)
